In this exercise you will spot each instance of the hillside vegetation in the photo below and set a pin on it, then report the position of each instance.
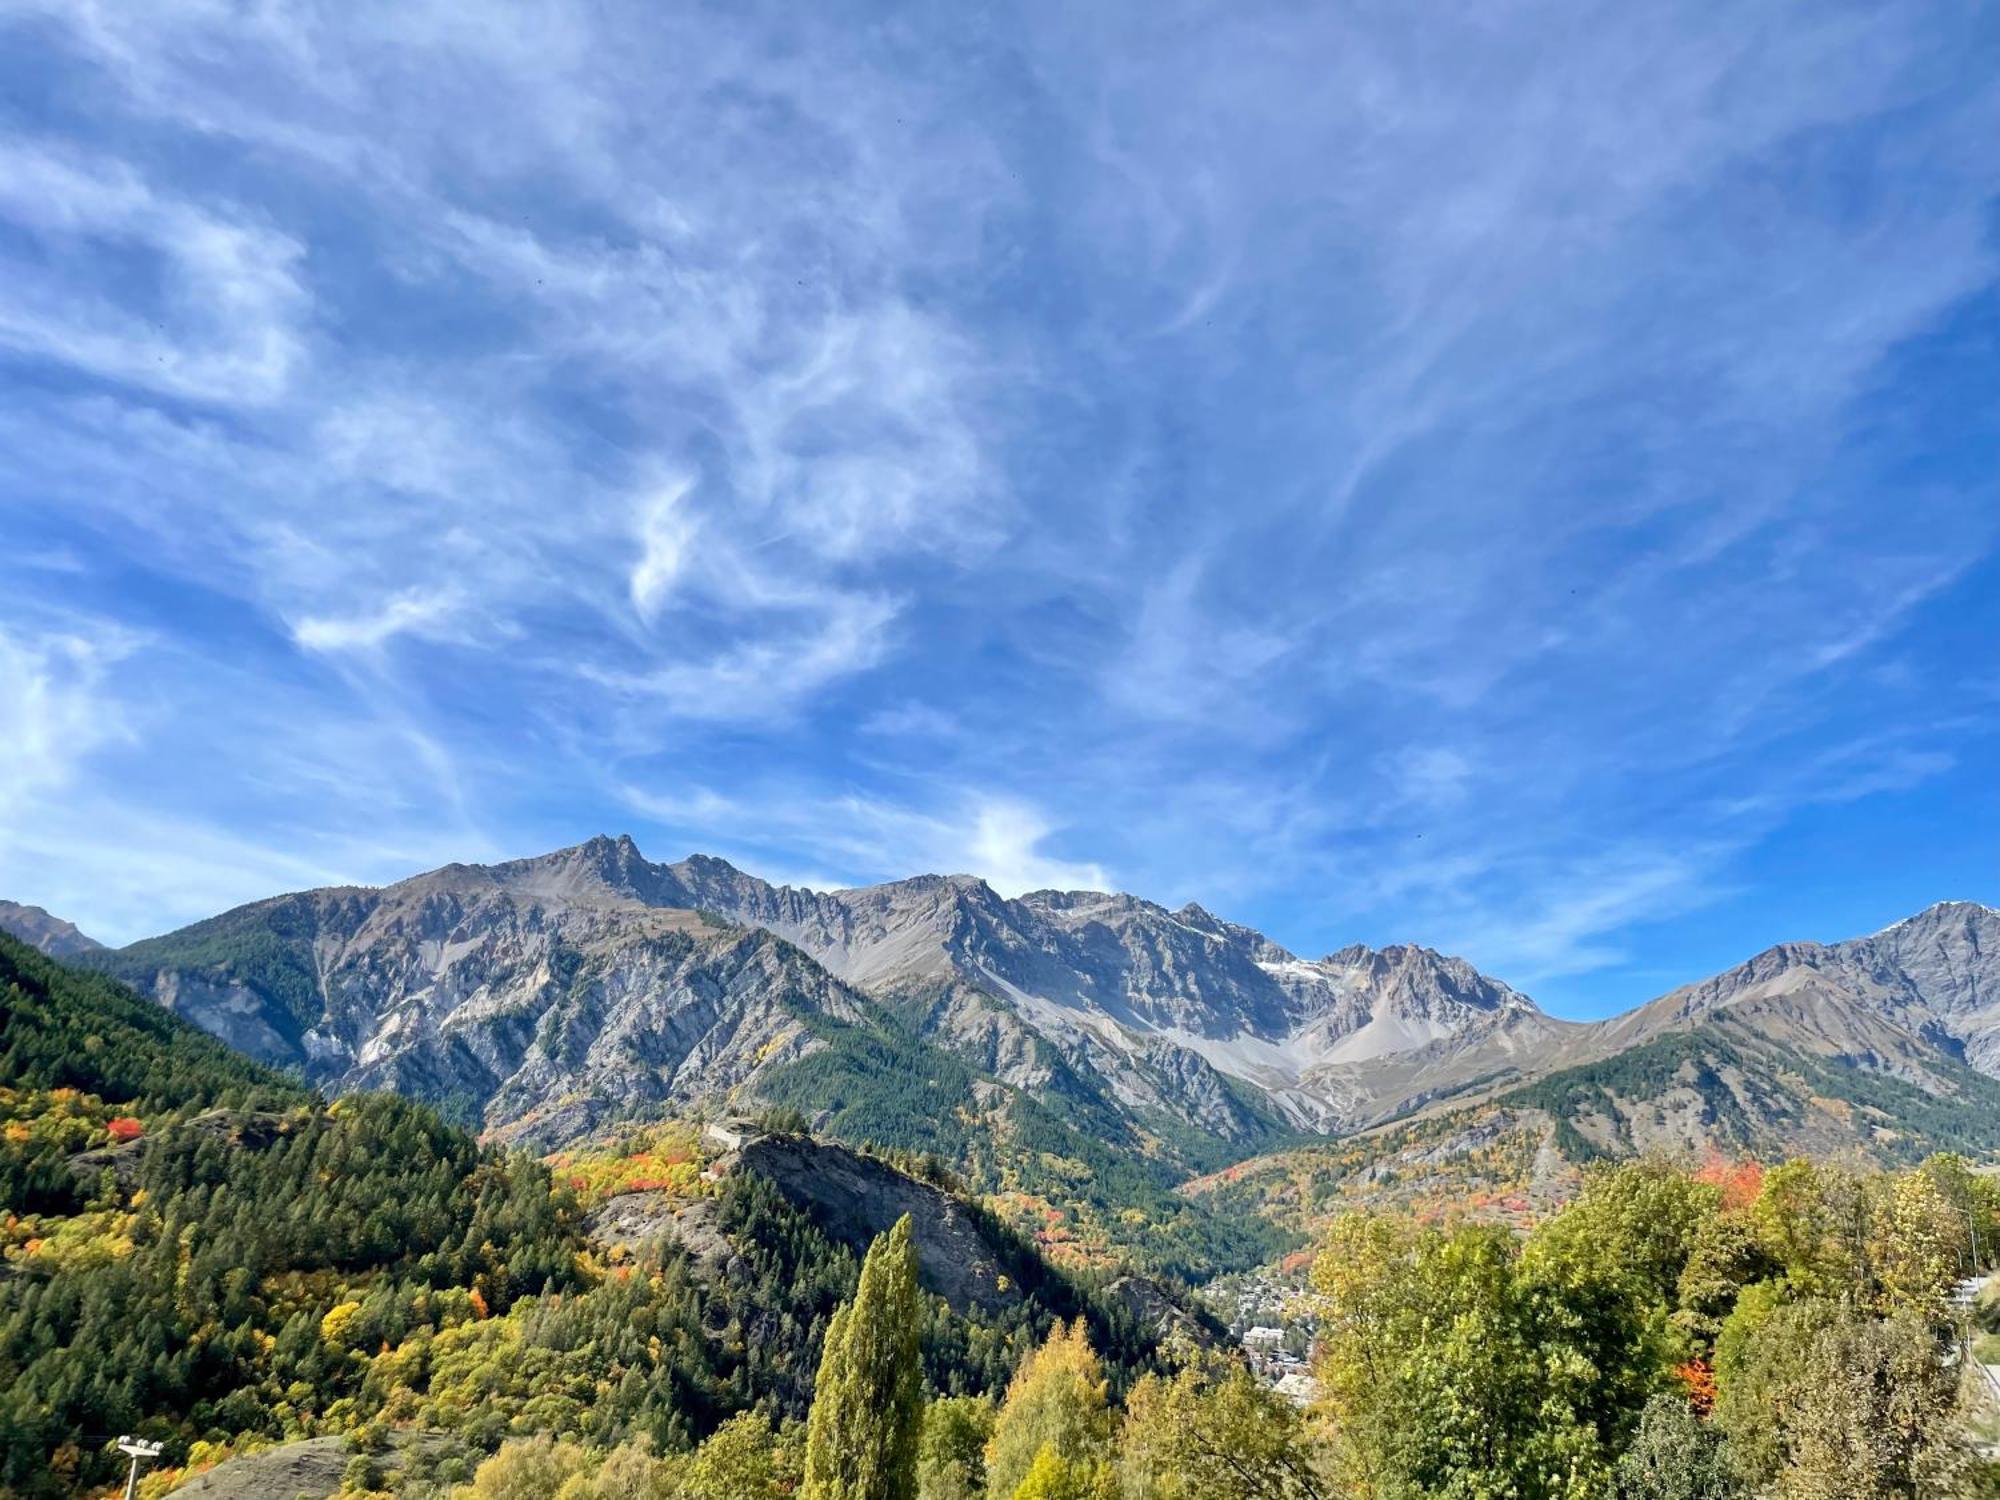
(1667, 1336)
(197, 1250)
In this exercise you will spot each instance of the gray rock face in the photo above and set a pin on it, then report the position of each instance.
(544, 995)
(1164, 1006)
(551, 994)
(1156, 1312)
(1929, 982)
(854, 1198)
(633, 1221)
(50, 934)
(311, 1467)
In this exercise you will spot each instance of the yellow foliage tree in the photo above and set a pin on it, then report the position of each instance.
(1057, 1401)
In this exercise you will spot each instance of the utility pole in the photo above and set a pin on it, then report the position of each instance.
(138, 1449)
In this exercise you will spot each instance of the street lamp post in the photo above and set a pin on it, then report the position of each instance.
(137, 1449)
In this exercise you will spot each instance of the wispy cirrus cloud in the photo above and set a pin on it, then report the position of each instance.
(1383, 478)
(58, 708)
(864, 840)
(412, 611)
(220, 316)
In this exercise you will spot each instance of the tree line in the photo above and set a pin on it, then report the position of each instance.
(1670, 1335)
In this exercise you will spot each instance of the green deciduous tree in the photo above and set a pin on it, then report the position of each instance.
(867, 1414)
(531, 1469)
(1214, 1435)
(1457, 1366)
(1820, 1401)
(1726, 1256)
(1815, 1222)
(629, 1471)
(1919, 1247)
(1642, 1218)
(1053, 1477)
(1675, 1455)
(952, 1462)
(743, 1459)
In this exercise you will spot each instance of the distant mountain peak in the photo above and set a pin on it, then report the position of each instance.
(42, 930)
(714, 863)
(1102, 995)
(621, 848)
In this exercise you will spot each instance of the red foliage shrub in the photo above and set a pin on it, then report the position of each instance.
(1699, 1378)
(1740, 1181)
(125, 1128)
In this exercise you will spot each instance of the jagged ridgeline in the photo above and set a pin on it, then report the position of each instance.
(199, 1249)
(547, 999)
(1076, 1056)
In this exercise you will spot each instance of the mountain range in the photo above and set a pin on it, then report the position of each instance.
(547, 996)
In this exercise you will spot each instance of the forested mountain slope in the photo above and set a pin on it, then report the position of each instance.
(1766, 1078)
(69, 1028)
(197, 1249)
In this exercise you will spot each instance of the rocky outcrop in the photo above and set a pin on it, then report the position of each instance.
(313, 1467)
(634, 1221)
(1165, 1321)
(854, 1198)
(249, 1130)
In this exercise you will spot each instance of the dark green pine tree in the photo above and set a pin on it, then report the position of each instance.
(868, 1406)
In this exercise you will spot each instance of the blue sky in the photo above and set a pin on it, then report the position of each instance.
(1522, 482)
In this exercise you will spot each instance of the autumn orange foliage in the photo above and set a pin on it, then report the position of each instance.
(1740, 1181)
(1699, 1378)
(124, 1128)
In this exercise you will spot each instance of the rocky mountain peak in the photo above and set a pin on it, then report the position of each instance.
(598, 869)
(712, 864)
(1405, 973)
(44, 931)
(1939, 913)
(1196, 915)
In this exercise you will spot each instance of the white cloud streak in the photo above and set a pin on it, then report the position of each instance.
(227, 322)
(1373, 471)
(1000, 839)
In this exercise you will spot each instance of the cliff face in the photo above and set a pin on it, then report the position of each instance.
(854, 1198)
(543, 997)
(548, 996)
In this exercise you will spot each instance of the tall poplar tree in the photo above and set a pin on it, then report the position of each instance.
(867, 1415)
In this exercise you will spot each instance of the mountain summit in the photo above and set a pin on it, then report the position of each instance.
(595, 970)
(592, 982)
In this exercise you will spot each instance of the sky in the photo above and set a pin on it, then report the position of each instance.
(1522, 479)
